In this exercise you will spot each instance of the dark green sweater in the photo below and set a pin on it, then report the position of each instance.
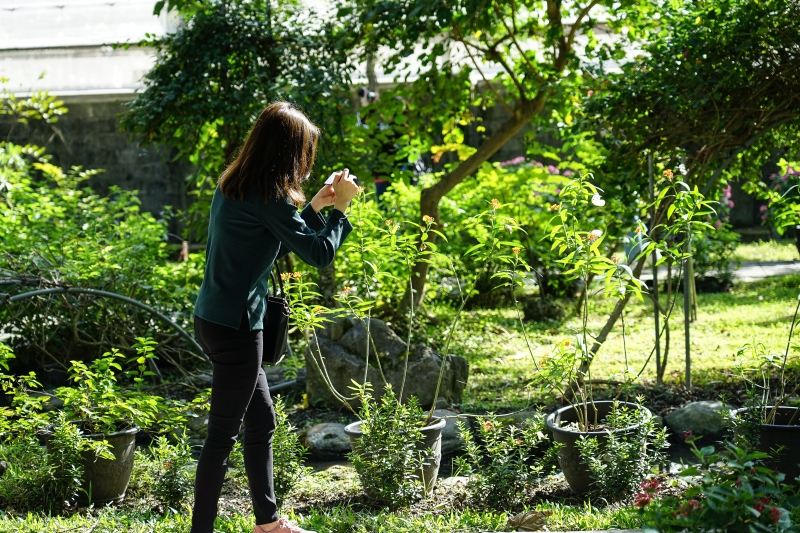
(244, 240)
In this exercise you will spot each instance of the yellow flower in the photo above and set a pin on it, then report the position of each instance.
(428, 219)
(516, 250)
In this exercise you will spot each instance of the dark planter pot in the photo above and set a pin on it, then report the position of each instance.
(575, 470)
(431, 447)
(106, 480)
(785, 432)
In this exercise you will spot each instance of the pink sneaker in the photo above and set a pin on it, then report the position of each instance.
(284, 526)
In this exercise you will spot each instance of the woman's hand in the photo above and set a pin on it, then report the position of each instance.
(325, 197)
(345, 189)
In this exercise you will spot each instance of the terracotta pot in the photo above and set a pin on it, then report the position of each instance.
(431, 447)
(569, 459)
(784, 432)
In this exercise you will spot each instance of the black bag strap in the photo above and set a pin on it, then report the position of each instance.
(273, 276)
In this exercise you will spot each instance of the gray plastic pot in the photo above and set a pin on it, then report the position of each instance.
(569, 459)
(106, 480)
(431, 447)
(785, 432)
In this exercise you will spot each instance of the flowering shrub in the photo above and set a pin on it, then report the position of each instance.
(729, 490)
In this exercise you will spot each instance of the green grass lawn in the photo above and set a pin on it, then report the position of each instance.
(502, 368)
(779, 250)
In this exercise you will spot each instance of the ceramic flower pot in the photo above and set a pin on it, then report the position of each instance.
(106, 480)
(575, 469)
(783, 433)
(431, 447)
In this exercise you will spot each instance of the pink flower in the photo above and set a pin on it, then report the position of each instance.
(784, 177)
(777, 186)
(728, 191)
(537, 164)
(718, 224)
(730, 204)
(567, 173)
(552, 169)
(762, 208)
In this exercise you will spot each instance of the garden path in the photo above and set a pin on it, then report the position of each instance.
(747, 271)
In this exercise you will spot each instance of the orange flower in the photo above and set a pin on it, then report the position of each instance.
(389, 222)
(566, 342)
(285, 276)
(638, 230)
(495, 203)
(516, 250)
(555, 207)
(428, 219)
(297, 275)
(668, 174)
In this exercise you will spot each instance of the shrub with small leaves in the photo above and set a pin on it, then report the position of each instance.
(287, 453)
(173, 477)
(504, 459)
(730, 490)
(387, 455)
(620, 461)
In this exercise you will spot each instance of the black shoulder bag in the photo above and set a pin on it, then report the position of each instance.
(276, 322)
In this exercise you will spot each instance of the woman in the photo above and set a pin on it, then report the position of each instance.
(254, 221)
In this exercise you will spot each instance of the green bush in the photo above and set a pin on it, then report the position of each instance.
(57, 232)
(504, 460)
(387, 456)
(287, 453)
(620, 462)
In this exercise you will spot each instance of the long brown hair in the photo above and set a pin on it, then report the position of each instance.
(277, 155)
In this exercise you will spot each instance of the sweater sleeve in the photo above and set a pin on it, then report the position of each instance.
(297, 234)
(314, 220)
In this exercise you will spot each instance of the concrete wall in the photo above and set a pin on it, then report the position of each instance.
(89, 136)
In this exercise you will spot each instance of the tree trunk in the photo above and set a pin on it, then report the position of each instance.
(430, 197)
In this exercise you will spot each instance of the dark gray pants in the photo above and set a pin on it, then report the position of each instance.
(239, 392)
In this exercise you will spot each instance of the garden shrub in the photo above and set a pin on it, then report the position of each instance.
(728, 490)
(387, 456)
(619, 462)
(57, 232)
(504, 460)
(287, 453)
(172, 475)
(40, 479)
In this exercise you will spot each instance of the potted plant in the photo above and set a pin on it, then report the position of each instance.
(396, 447)
(585, 429)
(766, 421)
(109, 417)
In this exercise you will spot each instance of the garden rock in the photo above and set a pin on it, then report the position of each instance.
(701, 418)
(451, 441)
(3, 468)
(327, 441)
(199, 426)
(344, 361)
(384, 339)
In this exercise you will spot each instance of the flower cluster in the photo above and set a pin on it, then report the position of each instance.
(650, 488)
(428, 219)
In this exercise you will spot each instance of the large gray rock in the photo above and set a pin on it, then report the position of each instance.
(384, 339)
(327, 441)
(345, 361)
(701, 418)
(198, 426)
